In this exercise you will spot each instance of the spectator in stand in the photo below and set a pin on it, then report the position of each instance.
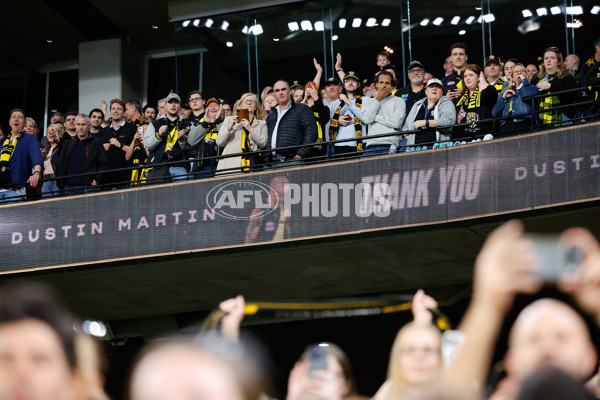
(269, 102)
(493, 73)
(82, 155)
(166, 140)
(203, 140)
(226, 109)
(427, 77)
(149, 112)
(31, 127)
(20, 156)
(196, 100)
(133, 112)
(333, 89)
(37, 346)
(297, 92)
(416, 90)
(96, 119)
(448, 67)
(573, 66)
(593, 79)
(116, 139)
(592, 60)
(532, 71)
(383, 60)
(508, 67)
(185, 110)
(51, 156)
(138, 155)
(416, 357)
(267, 90)
(513, 102)
(292, 124)
(243, 136)
(70, 131)
(57, 117)
(474, 105)
(322, 115)
(547, 335)
(431, 118)
(453, 86)
(162, 108)
(383, 114)
(553, 78)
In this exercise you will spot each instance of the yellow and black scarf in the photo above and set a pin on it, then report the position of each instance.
(470, 101)
(551, 117)
(246, 148)
(8, 147)
(334, 126)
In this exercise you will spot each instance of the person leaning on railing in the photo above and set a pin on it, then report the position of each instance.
(430, 118)
(475, 104)
(513, 102)
(243, 135)
(553, 78)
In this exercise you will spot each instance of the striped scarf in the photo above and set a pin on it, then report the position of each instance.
(8, 147)
(246, 148)
(334, 126)
(550, 117)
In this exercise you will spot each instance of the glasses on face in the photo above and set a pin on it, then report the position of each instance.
(70, 119)
(249, 101)
(194, 99)
(519, 71)
(416, 71)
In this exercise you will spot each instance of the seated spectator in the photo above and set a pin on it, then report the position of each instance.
(138, 155)
(416, 357)
(416, 90)
(83, 155)
(383, 114)
(547, 334)
(202, 141)
(532, 71)
(513, 102)
(166, 140)
(474, 105)
(242, 136)
(432, 117)
(553, 78)
(51, 156)
(116, 139)
(37, 345)
(20, 156)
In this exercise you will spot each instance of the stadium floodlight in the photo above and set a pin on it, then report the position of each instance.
(306, 25)
(424, 22)
(386, 22)
(575, 10)
(455, 20)
(356, 22)
(438, 21)
(489, 18)
(196, 22)
(186, 23)
(224, 25)
(319, 26)
(542, 11)
(293, 26)
(470, 20)
(342, 23)
(209, 23)
(595, 10)
(527, 13)
(371, 22)
(555, 10)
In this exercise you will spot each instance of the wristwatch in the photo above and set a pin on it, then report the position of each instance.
(36, 173)
(427, 123)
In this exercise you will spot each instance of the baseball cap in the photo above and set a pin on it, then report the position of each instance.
(415, 64)
(173, 96)
(351, 75)
(496, 59)
(332, 81)
(211, 100)
(434, 81)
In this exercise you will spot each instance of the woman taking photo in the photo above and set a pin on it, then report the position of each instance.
(553, 78)
(474, 105)
(241, 135)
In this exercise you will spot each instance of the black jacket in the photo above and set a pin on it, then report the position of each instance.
(94, 159)
(298, 126)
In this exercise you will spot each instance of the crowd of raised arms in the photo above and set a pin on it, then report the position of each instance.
(124, 144)
(46, 355)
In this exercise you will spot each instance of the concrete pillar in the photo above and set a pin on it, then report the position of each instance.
(108, 69)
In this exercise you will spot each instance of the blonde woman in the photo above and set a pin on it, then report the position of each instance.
(242, 136)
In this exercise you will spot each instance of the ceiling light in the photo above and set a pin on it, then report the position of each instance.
(575, 10)
(573, 24)
(542, 11)
(245, 30)
(455, 20)
(462, 32)
(371, 22)
(335, 37)
(49, 40)
(276, 39)
(479, 19)
(387, 21)
(229, 44)
(306, 25)
(527, 13)
(356, 22)
(186, 23)
(489, 18)
(94, 328)
(154, 26)
(529, 25)
(293, 26)
(424, 22)
(342, 23)
(470, 20)
(478, 8)
(319, 26)
(224, 25)
(555, 10)
(438, 21)
(196, 22)
(595, 10)
(208, 23)
(256, 29)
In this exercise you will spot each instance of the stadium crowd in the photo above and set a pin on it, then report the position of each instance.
(124, 144)
(45, 354)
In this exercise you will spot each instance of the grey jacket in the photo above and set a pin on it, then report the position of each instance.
(444, 113)
(382, 117)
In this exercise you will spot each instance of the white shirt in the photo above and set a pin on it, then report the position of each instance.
(280, 115)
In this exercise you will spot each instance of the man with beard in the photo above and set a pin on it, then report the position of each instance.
(416, 90)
